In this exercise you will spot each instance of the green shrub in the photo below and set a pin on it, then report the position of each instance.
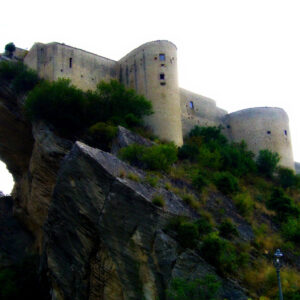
(9, 70)
(152, 180)
(220, 253)
(101, 135)
(204, 224)
(21, 78)
(71, 111)
(188, 234)
(227, 229)
(237, 160)
(191, 200)
(158, 200)
(206, 288)
(287, 177)
(157, 157)
(226, 182)
(210, 135)
(283, 205)
(267, 162)
(59, 103)
(244, 204)
(292, 295)
(117, 104)
(200, 180)
(187, 231)
(210, 158)
(10, 48)
(291, 230)
(188, 151)
(133, 177)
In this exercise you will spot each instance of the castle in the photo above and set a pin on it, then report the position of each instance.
(151, 70)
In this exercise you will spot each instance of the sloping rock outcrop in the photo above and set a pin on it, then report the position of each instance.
(105, 239)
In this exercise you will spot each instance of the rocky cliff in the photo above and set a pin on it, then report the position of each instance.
(98, 234)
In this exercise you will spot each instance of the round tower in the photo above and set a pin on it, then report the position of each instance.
(262, 128)
(151, 70)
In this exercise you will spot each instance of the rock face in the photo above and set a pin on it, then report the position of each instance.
(105, 239)
(125, 138)
(32, 193)
(14, 239)
(98, 233)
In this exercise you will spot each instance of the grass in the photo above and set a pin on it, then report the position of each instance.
(133, 177)
(158, 200)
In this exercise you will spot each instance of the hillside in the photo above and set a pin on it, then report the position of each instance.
(100, 212)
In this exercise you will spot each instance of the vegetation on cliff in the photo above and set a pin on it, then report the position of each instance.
(244, 207)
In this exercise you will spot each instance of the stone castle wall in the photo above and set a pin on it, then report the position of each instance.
(262, 128)
(199, 110)
(151, 70)
(85, 69)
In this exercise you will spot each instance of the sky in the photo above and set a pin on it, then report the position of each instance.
(241, 53)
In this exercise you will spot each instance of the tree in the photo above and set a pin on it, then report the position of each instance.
(267, 162)
(10, 48)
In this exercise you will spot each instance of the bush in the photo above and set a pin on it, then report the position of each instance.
(227, 229)
(198, 289)
(210, 135)
(158, 200)
(267, 162)
(200, 181)
(204, 223)
(157, 157)
(220, 253)
(101, 135)
(188, 151)
(10, 48)
(113, 102)
(188, 234)
(59, 103)
(226, 182)
(287, 177)
(71, 111)
(210, 158)
(191, 200)
(283, 205)
(291, 230)
(244, 204)
(20, 77)
(237, 160)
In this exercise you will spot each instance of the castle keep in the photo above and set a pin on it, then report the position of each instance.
(151, 70)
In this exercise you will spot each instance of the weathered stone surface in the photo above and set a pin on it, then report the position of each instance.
(125, 138)
(15, 241)
(32, 193)
(105, 238)
(16, 140)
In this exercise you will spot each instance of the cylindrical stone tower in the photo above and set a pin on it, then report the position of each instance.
(262, 128)
(151, 70)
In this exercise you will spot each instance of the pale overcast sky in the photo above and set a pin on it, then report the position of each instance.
(241, 53)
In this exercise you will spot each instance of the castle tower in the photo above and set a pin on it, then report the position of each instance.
(151, 70)
(262, 128)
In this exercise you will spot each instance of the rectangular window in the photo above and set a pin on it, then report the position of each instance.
(162, 57)
(162, 76)
(70, 62)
